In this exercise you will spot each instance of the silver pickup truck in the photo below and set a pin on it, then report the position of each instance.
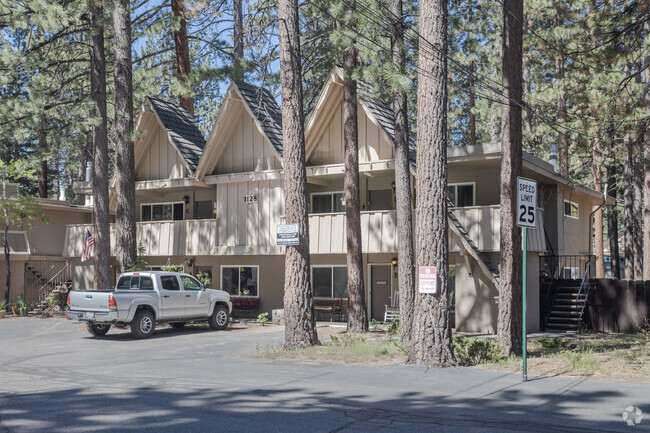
(141, 299)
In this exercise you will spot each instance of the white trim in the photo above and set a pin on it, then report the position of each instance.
(161, 203)
(456, 185)
(240, 266)
(311, 277)
(572, 203)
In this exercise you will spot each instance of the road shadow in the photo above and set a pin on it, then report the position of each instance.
(290, 408)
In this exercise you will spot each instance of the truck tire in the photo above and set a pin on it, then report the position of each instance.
(177, 325)
(143, 324)
(97, 330)
(219, 318)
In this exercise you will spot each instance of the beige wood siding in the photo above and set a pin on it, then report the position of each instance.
(162, 160)
(373, 145)
(482, 223)
(249, 224)
(167, 238)
(378, 232)
(246, 149)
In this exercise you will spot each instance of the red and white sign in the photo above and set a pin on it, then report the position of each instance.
(428, 280)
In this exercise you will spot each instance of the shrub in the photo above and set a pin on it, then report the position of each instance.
(473, 351)
(263, 319)
(553, 344)
(346, 340)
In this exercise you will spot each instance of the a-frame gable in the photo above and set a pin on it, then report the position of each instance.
(324, 131)
(246, 136)
(168, 143)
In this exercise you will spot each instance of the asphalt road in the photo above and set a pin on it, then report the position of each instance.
(54, 377)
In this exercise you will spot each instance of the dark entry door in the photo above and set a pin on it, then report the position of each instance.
(380, 276)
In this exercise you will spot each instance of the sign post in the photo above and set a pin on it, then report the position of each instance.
(526, 215)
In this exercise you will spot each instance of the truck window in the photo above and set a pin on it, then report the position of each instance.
(169, 282)
(190, 283)
(135, 282)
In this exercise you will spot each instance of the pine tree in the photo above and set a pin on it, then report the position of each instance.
(300, 327)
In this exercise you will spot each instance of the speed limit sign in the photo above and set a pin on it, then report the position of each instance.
(526, 202)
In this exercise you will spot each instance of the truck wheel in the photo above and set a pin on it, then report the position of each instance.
(143, 324)
(219, 318)
(177, 325)
(97, 330)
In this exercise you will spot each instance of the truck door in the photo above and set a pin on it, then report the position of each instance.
(172, 298)
(197, 301)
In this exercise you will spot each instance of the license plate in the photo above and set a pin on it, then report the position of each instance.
(90, 315)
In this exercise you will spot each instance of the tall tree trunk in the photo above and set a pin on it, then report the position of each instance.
(431, 341)
(238, 39)
(472, 116)
(42, 168)
(402, 181)
(598, 215)
(357, 315)
(638, 202)
(509, 319)
(562, 142)
(300, 328)
(5, 242)
(612, 221)
(182, 53)
(628, 205)
(124, 153)
(646, 166)
(101, 223)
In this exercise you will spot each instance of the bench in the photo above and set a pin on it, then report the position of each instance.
(329, 305)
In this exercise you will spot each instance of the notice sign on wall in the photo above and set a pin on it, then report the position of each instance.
(287, 234)
(428, 280)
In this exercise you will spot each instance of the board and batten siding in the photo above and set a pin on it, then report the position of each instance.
(246, 150)
(160, 238)
(249, 224)
(162, 160)
(373, 145)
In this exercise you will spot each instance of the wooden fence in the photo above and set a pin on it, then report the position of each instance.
(618, 305)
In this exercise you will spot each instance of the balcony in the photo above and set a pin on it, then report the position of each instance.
(162, 238)
(378, 232)
(483, 223)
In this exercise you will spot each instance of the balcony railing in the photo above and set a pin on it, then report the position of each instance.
(162, 238)
(483, 223)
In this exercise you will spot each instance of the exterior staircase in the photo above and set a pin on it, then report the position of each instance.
(49, 276)
(568, 305)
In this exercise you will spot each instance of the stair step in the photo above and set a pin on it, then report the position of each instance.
(562, 327)
(564, 313)
(573, 320)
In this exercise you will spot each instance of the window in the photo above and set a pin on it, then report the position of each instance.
(327, 202)
(571, 209)
(135, 282)
(461, 194)
(190, 283)
(329, 281)
(203, 210)
(169, 282)
(162, 211)
(240, 280)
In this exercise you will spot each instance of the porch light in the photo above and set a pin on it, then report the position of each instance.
(392, 185)
(393, 261)
(188, 261)
(186, 199)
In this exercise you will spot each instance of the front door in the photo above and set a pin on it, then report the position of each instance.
(380, 286)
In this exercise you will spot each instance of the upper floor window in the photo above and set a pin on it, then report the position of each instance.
(462, 194)
(162, 211)
(327, 202)
(571, 209)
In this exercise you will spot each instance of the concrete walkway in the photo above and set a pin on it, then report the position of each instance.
(56, 378)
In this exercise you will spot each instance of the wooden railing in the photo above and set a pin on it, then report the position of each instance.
(378, 232)
(483, 223)
(162, 238)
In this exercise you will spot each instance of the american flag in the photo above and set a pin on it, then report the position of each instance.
(89, 242)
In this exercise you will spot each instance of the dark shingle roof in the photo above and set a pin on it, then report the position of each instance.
(182, 128)
(384, 115)
(266, 111)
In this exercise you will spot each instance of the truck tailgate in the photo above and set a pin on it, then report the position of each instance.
(94, 300)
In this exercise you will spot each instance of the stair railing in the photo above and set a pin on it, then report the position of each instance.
(584, 277)
(61, 277)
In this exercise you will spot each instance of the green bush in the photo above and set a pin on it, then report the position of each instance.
(473, 351)
(346, 340)
(263, 319)
(553, 344)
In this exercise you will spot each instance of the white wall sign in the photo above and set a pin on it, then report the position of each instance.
(526, 202)
(287, 234)
(428, 281)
